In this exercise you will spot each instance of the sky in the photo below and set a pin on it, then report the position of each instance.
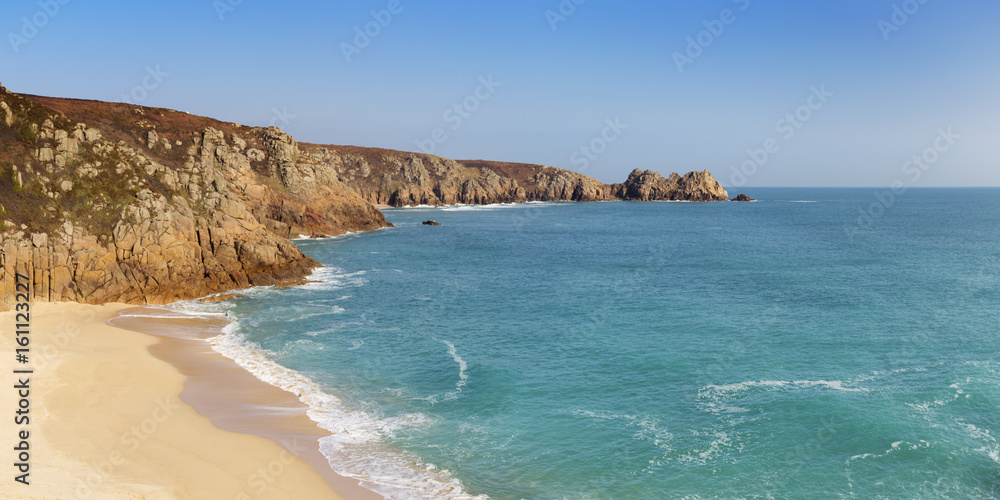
(852, 93)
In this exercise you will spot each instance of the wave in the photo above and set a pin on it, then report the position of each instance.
(348, 234)
(356, 447)
(304, 237)
(332, 278)
(463, 377)
(731, 389)
(718, 399)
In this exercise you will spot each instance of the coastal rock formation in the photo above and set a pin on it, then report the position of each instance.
(650, 186)
(430, 223)
(743, 197)
(103, 202)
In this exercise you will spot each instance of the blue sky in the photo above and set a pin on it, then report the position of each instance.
(561, 72)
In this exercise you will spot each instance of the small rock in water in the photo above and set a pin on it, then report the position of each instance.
(430, 223)
(743, 197)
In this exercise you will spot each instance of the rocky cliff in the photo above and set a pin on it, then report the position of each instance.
(112, 202)
(104, 202)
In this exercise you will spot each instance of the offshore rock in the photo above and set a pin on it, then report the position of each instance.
(651, 186)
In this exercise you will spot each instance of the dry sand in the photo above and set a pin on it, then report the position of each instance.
(107, 421)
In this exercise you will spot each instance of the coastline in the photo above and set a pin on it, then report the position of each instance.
(109, 419)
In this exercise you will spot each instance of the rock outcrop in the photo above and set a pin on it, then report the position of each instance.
(743, 197)
(650, 186)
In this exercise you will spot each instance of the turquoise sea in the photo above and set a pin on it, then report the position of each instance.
(786, 348)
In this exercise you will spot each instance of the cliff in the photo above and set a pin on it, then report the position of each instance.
(111, 202)
(104, 202)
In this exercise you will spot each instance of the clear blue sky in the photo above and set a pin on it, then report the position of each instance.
(939, 68)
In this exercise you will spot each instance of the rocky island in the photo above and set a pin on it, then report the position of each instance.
(112, 202)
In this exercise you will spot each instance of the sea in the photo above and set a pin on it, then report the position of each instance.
(815, 343)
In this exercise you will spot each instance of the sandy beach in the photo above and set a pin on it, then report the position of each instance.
(107, 420)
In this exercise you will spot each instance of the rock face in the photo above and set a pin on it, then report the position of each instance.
(743, 197)
(110, 202)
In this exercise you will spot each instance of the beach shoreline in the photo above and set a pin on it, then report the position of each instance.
(111, 418)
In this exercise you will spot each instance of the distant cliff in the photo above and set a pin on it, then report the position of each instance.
(103, 202)
(396, 178)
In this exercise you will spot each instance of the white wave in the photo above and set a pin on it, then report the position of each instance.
(648, 428)
(893, 447)
(463, 377)
(332, 278)
(328, 311)
(731, 389)
(306, 237)
(715, 448)
(718, 399)
(356, 447)
(603, 415)
(348, 234)
(803, 201)
(990, 445)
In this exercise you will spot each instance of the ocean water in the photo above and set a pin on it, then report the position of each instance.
(818, 343)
